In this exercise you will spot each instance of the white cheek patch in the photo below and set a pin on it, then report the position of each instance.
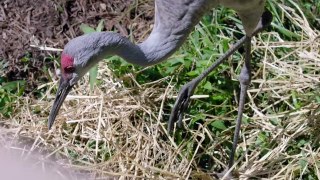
(58, 73)
(74, 79)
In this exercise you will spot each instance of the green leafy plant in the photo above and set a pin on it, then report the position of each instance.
(9, 92)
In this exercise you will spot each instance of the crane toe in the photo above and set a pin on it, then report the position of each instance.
(181, 104)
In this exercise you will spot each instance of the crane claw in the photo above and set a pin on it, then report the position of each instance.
(181, 104)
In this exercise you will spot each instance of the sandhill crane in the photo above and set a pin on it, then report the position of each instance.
(174, 20)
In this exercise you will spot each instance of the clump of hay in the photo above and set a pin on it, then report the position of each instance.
(117, 132)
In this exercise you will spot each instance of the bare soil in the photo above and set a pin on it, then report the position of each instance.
(53, 23)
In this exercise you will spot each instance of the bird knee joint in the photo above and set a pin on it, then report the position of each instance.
(245, 79)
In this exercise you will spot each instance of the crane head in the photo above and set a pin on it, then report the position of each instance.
(76, 60)
(78, 56)
(67, 80)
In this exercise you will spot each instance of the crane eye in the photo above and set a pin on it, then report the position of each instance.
(69, 69)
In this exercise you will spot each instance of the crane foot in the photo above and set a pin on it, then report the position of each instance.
(181, 104)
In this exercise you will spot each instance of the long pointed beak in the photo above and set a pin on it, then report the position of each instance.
(63, 90)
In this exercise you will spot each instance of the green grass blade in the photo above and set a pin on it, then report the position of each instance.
(93, 76)
(100, 26)
(86, 29)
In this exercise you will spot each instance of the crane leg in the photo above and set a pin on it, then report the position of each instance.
(187, 90)
(245, 79)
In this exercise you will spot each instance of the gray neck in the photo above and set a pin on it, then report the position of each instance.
(156, 48)
(174, 20)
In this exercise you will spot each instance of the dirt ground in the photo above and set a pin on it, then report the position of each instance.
(53, 23)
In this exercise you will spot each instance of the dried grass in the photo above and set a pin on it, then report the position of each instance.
(118, 132)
